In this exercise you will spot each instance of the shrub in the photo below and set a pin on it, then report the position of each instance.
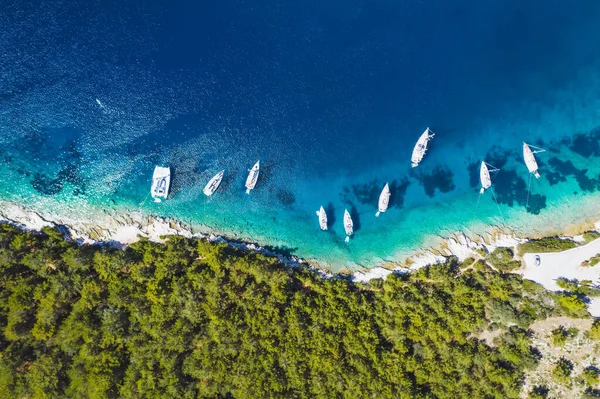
(591, 393)
(590, 376)
(567, 285)
(572, 304)
(593, 261)
(562, 370)
(560, 335)
(539, 392)
(584, 287)
(467, 262)
(595, 330)
(549, 244)
(590, 236)
(503, 259)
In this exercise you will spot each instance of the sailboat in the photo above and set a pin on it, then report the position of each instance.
(348, 225)
(322, 218)
(484, 176)
(161, 180)
(213, 184)
(252, 177)
(384, 200)
(530, 159)
(421, 147)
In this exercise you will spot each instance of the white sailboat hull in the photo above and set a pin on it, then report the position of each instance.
(421, 147)
(213, 184)
(322, 218)
(484, 177)
(384, 200)
(530, 161)
(348, 225)
(252, 177)
(161, 181)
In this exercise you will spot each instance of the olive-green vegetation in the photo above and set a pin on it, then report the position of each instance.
(595, 330)
(539, 392)
(549, 244)
(591, 393)
(573, 304)
(590, 236)
(560, 335)
(574, 286)
(503, 259)
(562, 371)
(590, 376)
(467, 263)
(593, 261)
(193, 319)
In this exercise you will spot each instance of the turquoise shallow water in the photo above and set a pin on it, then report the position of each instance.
(330, 98)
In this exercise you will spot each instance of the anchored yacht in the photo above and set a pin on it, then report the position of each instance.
(213, 184)
(384, 200)
(530, 159)
(322, 218)
(484, 176)
(161, 180)
(252, 177)
(348, 225)
(421, 147)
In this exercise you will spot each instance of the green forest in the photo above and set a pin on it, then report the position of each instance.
(194, 319)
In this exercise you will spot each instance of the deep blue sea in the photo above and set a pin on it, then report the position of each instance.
(331, 96)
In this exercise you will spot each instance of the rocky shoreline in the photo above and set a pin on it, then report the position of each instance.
(124, 229)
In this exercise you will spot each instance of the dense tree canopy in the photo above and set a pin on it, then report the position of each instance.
(193, 319)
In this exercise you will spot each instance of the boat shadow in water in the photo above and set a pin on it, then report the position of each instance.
(397, 193)
(441, 179)
(560, 170)
(228, 178)
(265, 178)
(586, 145)
(176, 184)
(184, 174)
(368, 193)
(331, 218)
(509, 187)
(285, 197)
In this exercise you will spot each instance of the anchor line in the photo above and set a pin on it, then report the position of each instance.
(528, 190)
(477, 206)
(497, 205)
(144, 201)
